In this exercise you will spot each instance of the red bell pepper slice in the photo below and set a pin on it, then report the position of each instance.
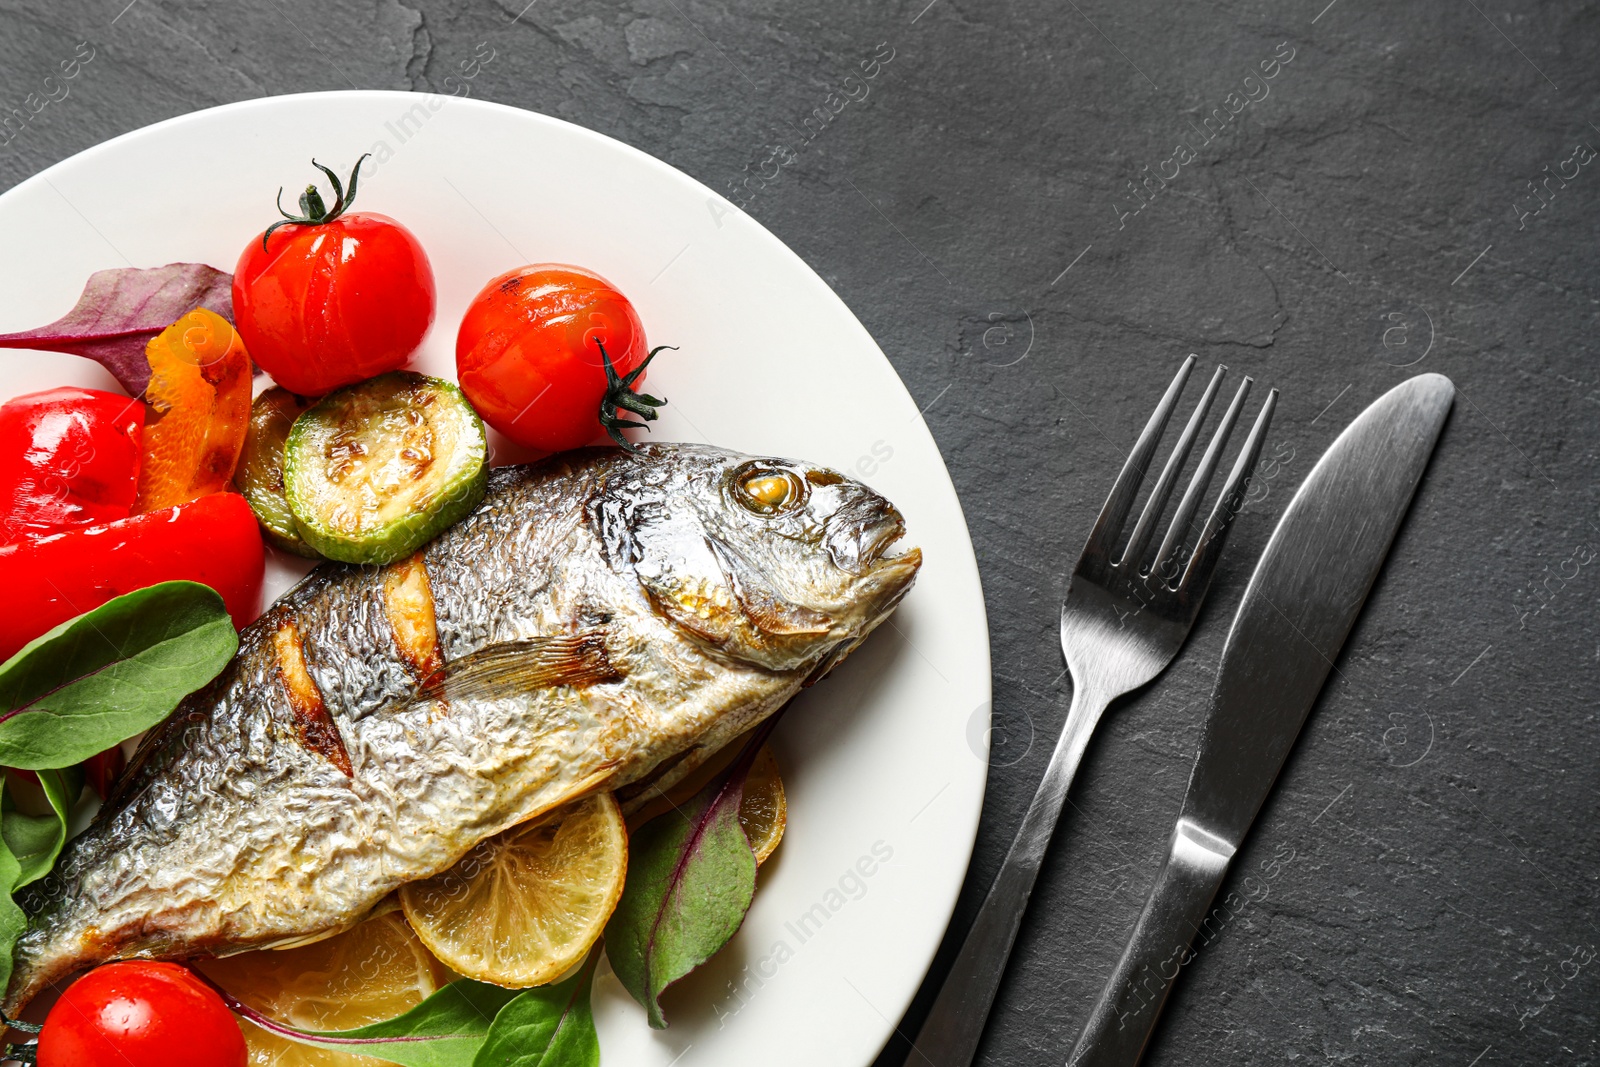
(51, 578)
(68, 457)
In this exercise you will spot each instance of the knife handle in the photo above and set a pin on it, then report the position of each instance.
(1126, 1013)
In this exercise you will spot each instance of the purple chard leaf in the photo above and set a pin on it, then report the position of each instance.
(121, 309)
(691, 877)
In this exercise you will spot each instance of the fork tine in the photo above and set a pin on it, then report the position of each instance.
(1146, 526)
(1197, 485)
(1120, 502)
(1197, 575)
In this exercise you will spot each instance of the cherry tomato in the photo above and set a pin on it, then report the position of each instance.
(528, 353)
(333, 299)
(141, 1014)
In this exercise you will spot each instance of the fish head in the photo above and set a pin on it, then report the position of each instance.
(778, 563)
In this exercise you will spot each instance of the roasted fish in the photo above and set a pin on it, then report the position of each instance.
(601, 621)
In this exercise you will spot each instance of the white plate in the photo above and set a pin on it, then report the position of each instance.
(885, 761)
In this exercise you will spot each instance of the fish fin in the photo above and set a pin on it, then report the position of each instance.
(767, 613)
(834, 657)
(515, 667)
(641, 791)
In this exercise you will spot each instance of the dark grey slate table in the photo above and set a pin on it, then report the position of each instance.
(1038, 209)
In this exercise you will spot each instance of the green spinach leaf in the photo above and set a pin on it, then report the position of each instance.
(102, 677)
(12, 919)
(36, 840)
(552, 1026)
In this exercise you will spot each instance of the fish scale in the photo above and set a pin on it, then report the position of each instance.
(567, 662)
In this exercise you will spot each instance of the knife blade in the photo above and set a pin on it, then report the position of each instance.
(1300, 605)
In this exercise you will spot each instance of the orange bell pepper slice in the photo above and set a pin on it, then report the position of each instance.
(199, 410)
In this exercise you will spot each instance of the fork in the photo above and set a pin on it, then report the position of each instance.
(1126, 615)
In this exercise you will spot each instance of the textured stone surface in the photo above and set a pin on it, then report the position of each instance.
(1424, 879)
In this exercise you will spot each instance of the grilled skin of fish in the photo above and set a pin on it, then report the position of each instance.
(601, 621)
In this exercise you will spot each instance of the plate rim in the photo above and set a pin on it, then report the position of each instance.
(965, 560)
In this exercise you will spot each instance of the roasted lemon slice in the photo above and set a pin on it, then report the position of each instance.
(764, 811)
(371, 972)
(525, 906)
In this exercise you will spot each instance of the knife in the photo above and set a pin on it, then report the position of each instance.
(1297, 611)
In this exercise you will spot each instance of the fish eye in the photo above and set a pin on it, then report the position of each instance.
(769, 490)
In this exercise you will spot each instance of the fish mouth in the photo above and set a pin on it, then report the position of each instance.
(876, 540)
(891, 565)
(899, 569)
(887, 576)
(870, 550)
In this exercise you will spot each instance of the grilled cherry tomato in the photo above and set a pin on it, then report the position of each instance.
(68, 457)
(51, 578)
(532, 350)
(141, 1014)
(324, 299)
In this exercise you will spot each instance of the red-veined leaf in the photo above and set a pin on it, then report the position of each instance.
(121, 309)
(691, 877)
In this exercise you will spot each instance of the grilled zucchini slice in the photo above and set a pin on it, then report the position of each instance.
(377, 469)
(260, 474)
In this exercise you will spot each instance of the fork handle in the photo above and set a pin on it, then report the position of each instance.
(949, 1036)
(1125, 1015)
